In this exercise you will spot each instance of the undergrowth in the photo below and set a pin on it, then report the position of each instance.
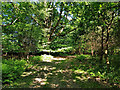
(91, 65)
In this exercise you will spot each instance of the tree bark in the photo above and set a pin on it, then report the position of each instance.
(92, 50)
(102, 40)
(101, 56)
(106, 51)
(107, 42)
(58, 22)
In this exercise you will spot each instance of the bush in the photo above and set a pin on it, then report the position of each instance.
(115, 61)
(63, 54)
(82, 57)
(35, 59)
(12, 69)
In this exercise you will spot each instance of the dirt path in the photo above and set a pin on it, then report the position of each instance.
(55, 74)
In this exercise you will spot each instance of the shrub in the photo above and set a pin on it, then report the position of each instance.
(12, 69)
(35, 59)
(115, 60)
(81, 57)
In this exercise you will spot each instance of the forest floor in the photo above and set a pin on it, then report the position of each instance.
(56, 74)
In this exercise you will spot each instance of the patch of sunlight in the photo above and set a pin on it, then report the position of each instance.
(61, 71)
(92, 74)
(46, 50)
(59, 58)
(27, 74)
(40, 79)
(62, 49)
(97, 79)
(52, 68)
(45, 68)
(56, 71)
(65, 71)
(81, 78)
(54, 85)
(85, 78)
(80, 71)
(74, 80)
(78, 77)
(44, 83)
(47, 58)
(37, 86)
(49, 73)
(63, 80)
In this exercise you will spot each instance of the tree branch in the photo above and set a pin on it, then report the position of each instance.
(61, 29)
(109, 26)
(36, 20)
(58, 33)
(68, 32)
(11, 22)
(53, 30)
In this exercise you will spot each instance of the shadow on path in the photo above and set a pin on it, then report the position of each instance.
(55, 74)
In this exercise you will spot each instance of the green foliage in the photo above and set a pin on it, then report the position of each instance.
(38, 59)
(69, 50)
(35, 59)
(24, 34)
(115, 60)
(63, 54)
(82, 57)
(91, 65)
(36, 23)
(12, 69)
(31, 26)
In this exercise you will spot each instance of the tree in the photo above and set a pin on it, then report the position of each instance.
(24, 35)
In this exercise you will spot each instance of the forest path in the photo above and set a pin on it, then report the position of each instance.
(56, 74)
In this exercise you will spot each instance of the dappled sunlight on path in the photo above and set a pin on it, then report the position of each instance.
(59, 58)
(55, 74)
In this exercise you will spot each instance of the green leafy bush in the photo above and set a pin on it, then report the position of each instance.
(63, 54)
(92, 67)
(115, 61)
(35, 59)
(81, 57)
(12, 69)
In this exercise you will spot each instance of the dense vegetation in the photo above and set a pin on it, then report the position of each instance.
(85, 34)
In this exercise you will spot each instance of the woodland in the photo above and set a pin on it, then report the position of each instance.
(60, 44)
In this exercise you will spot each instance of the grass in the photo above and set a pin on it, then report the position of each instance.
(69, 73)
(91, 66)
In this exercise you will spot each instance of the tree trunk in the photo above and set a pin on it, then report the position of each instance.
(107, 40)
(80, 47)
(92, 50)
(107, 51)
(101, 56)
